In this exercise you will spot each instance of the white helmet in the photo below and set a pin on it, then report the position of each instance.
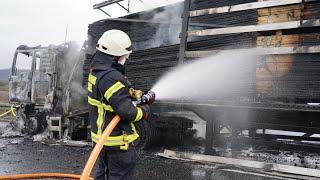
(114, 42)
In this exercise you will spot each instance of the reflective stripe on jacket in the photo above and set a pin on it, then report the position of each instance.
(108, 95)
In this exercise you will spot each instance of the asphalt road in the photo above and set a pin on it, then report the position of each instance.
(23, 155)
(20, 155)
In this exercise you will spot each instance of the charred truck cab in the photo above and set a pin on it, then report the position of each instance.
(48, 84)
(38, 84)
(32, 83)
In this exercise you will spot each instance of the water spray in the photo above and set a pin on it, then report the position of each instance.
(221, 76)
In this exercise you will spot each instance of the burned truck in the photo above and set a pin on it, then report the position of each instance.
(284, 92)
(45, 84)
(40, 83)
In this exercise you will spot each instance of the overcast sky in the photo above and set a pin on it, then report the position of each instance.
(34, 22)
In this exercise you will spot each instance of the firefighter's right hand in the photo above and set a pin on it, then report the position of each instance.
(146, 111)
(135, 93)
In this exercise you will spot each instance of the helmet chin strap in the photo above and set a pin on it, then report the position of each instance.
(122, 60)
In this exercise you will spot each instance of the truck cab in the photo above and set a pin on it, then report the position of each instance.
(32, 84)
(31, 78)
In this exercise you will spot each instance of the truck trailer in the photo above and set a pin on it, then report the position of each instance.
(284, 81)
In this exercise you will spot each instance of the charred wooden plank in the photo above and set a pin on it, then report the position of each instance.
(256, 28)
(244, 163)
(243, 7)
(262, 51)
(151, 59)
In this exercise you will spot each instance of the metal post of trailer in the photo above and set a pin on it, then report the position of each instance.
(184, 30)
(209, 136)
(208, 114)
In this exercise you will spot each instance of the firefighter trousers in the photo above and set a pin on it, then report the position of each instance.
(115, 164)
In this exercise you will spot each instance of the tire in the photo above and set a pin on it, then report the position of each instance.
(32, 125)
(148, 135)
(41, 122)
(176, 138)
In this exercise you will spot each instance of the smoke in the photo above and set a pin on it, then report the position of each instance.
(172, 15)
(222, 76)
(147, 5)
(169, 27)
(69, 58)
(71, 72)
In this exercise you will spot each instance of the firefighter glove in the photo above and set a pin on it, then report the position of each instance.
(146, 111)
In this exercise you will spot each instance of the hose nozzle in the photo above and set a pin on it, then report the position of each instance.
(148, 98)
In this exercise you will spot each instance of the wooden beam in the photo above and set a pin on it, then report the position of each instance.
(253, 106)
(292, 40)
(196, 54)
(279, 18)
(294, 9)
(243, 7)
(75, 143)
(272, 175)
(262, 51)
(240, 162)
(162, 22)
(292, 50)
(256, 28)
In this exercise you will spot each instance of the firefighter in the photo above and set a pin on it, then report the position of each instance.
(108, 95)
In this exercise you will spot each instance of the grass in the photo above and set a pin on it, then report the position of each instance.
(3, 93)
(4, 96)
(3, 85)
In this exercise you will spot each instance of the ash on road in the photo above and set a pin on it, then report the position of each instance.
(23, 155)
(20, 155)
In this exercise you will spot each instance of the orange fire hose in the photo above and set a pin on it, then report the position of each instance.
(41, 175)
(87, 169)
(98, 147)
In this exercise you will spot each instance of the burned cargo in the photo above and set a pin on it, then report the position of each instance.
(283, 82)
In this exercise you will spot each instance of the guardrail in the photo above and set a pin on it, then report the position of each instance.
(5, 105)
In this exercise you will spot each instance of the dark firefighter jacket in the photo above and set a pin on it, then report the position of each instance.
(108, 95)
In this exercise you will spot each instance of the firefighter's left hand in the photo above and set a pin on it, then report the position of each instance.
(146, 111)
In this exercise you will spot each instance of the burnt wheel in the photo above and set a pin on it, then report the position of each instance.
(148, 134)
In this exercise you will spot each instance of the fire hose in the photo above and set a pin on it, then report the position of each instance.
(93, 156)
(41, 175)
(149, 97)
(12, 109)
(90, 163)
(98, 147)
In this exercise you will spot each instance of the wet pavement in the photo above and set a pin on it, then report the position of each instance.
(20, 155)
(23, 155)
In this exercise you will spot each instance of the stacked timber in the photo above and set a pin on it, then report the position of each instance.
(155, 44)
(284, 77)
(289, 77)
(145, 67)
